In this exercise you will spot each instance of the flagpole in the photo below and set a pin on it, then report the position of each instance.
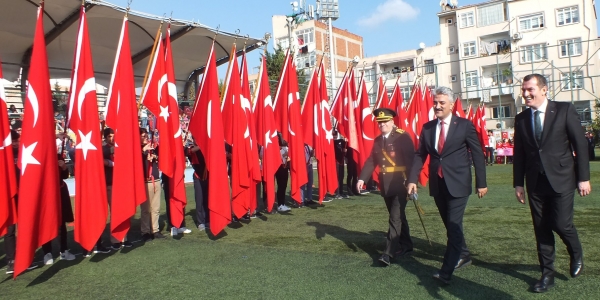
(232, 56)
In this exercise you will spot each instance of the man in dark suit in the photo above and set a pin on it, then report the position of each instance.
(446, 141)
(547, 134)
(393, 152)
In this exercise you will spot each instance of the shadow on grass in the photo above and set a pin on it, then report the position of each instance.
(367, 242)
(53, 270)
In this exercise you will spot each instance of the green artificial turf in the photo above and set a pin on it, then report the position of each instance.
(329, 252)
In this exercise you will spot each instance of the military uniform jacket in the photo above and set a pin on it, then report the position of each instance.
(394, 156)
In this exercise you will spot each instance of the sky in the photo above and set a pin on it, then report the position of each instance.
(386, 25)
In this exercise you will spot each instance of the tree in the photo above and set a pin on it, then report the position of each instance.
(275, 66)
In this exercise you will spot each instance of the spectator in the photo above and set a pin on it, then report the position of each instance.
(150, 209)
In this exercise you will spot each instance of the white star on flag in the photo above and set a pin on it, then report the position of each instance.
(164, 112)
(86, 143)
(268, 138)
(27, 157)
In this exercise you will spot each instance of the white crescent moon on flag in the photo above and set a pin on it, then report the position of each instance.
(268, 101)
(32, 97)
(163, 80)
(208, 117)
(290, 102)
(172, 88)
(88, 86)
(365, 113)
(7, 141)
(316, 119)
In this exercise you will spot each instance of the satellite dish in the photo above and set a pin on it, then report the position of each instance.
(421, 45)
(355, 59)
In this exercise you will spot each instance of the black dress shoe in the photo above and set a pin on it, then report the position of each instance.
(404, 252)
(576, 267)
(545, 283)
(443, 279)
(463, 262)
(385, 259)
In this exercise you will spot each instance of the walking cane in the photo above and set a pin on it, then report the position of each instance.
(414, 197)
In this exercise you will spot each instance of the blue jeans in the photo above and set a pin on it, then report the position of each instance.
(306, 191)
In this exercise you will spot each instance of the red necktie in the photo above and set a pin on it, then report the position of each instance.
(440, 147)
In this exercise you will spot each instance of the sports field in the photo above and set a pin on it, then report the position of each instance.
(329, 252)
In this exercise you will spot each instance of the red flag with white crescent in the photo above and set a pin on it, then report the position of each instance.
(91, 208)
(329, 164)
(206, 125)
(8, 179)
(39, 210)
(122, 116)
(177, 197)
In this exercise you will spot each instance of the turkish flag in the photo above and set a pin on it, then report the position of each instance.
(235, 117)
(39, 210)
(397, 104)
(368, 124)
(457, 109)
(266, 133)
(287, 105)
(155, 96)
(206, 125)
(480, 126)
(338, 105)
(470, 115)
(90, 187)
(328, 165)
(414, 115)
(8, 179)
(250, 135)
(383, 101)
(351, 124)
(121, 115)
(311, 125)
(177, 197)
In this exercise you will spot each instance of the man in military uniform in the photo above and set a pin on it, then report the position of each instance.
(393, 151)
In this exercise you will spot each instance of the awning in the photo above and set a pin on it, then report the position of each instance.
(190, 41)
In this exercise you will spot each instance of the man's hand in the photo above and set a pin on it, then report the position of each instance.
(62, 165)
(411, 188)
(584, 188)
(481, 192)
(520, 194)
(360, 185)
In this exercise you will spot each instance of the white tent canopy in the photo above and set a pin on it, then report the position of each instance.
(190, 41)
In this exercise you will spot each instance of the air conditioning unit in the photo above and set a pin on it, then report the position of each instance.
(517, 36)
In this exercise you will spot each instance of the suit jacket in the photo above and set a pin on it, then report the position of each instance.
(454, 159)
(562, 134)
(400, 149)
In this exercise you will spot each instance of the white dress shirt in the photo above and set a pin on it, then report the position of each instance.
(437, 129)
(542, 110)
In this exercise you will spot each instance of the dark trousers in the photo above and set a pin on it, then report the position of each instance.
(552, 211)
(201, 198)
(489, 154)
(165, 180)
(340, 177)
(352, 177)
(62, 237)
(452, 211)
(260, 200)
(10, 242)
(398, 232)
(281, 177)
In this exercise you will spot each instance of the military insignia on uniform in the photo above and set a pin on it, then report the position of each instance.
(398, 130)
(381, 114)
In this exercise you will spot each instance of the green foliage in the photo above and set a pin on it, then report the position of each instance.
(596, 122)
(275, 62)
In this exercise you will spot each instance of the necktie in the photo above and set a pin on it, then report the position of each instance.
(537, 126)
(441, 140)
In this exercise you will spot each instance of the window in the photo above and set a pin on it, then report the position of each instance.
(306, 60)
(490, 14)
(452, 78)
(370, 75)
(571, 47)
(471, 78)
(532, 53)
(405, 92)
(531, 22)
(567, 15)
(500, 112)
(284, 43)
(469, 49)
(429, 66)
(305, 36)
(572, 80)
(467, 19)
(372, 99)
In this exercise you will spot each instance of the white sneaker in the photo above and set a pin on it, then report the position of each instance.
(184, 230)
(283, 208)
(67, 255)
(48, 260)
(173, 231)
(202, 227)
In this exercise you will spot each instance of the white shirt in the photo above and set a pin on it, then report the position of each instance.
(437, 129)
(492, 142)
(542, 110)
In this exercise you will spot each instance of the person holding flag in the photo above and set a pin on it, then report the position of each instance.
(393, 152)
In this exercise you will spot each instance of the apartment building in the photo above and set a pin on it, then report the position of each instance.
(491, 46)
(310, 40)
